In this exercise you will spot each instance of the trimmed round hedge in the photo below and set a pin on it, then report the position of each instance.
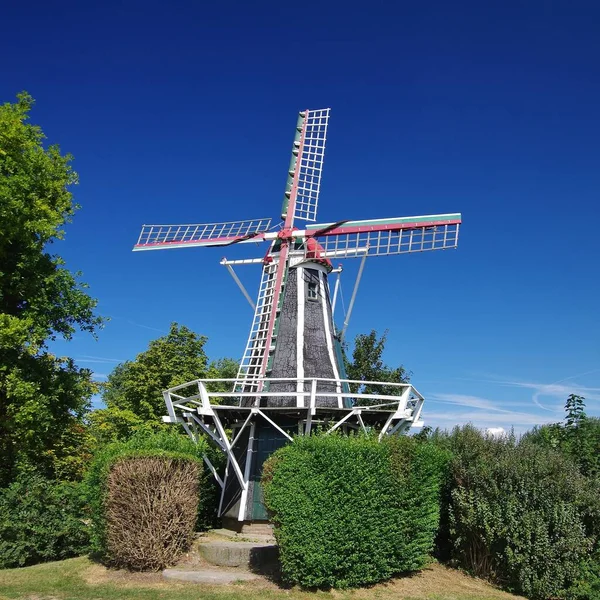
(350, 511)
(132, 467)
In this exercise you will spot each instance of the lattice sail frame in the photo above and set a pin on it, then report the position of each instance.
(390, 236)
(205, 234)
(311, 164)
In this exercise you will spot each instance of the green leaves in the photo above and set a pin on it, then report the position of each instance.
(42, 397)
(349, 511)
(136, 386)
(367, 365)
(518, 513)
(41, 520)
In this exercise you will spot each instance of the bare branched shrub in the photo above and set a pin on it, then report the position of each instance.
(151, 508)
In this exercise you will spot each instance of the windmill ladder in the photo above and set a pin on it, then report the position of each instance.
(250, 367)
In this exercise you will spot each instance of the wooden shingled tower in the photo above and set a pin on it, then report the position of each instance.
(291, 376)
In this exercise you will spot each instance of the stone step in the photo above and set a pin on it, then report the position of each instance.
(214, 576)
(241, 537)
(256, 556)
(257, 529)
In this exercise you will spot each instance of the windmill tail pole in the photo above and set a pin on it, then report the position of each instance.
(354, 292)
(239, 283)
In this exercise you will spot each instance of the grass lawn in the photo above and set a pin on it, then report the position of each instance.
(81, 579)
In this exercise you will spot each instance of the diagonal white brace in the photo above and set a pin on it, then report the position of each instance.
(361, 422)
(228, 449)
(385, 427)
(342, 421)
(213, 470)
(262, 414)
(235, 439)
(239, 283)
(354, 292)
(208, 431)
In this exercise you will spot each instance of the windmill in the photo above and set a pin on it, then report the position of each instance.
(291, 376)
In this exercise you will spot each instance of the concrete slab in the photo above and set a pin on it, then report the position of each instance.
(229, 553)
(212, 576)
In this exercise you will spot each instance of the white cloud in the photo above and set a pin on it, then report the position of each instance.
(496, 431)
(86, 358)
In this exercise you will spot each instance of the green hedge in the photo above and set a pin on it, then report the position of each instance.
(41, 520)
(167, 444)
(520, 515)
(350, 511)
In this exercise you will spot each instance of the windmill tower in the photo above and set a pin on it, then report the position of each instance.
(291, 375)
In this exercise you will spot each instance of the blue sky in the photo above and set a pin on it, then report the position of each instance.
(185, 113)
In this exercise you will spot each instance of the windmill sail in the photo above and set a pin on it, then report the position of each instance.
(386, 236)
(306, 167)
(154, 237)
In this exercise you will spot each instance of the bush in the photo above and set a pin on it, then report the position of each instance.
(349, 511)
(151, 505)
(519, 514)
(173, 449)
(41, 520)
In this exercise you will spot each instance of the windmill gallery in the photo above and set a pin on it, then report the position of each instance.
(291, 377)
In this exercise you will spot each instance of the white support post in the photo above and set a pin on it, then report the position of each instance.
(204, 397)
(385, 427)
(223, 488)
(300, 299)
(169, 404)
(213, 470)
(361, 421)
(247, 466)
(342, 421)
(311, 407)
(418, 410)
(229, 450)
(262, 414)
(239, 283)
(354, 292)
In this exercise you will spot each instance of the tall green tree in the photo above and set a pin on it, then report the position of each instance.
(133, 392)
(367, 365)
(43, 398)
(578, 436)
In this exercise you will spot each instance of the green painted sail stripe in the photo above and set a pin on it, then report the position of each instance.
(426, 219)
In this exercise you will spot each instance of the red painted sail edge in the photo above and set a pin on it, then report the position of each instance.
(387, 227)
(207, 242)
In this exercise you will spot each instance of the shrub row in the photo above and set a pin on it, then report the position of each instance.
(350, 511)
(41, 520)
(521, 515)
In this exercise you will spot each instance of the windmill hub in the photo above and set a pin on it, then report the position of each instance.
(291, 375)
(287, 234)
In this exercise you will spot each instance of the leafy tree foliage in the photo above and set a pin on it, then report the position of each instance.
(367, 365)
(170, 360)
(133, 392)
(42, 397)
(578, 436)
